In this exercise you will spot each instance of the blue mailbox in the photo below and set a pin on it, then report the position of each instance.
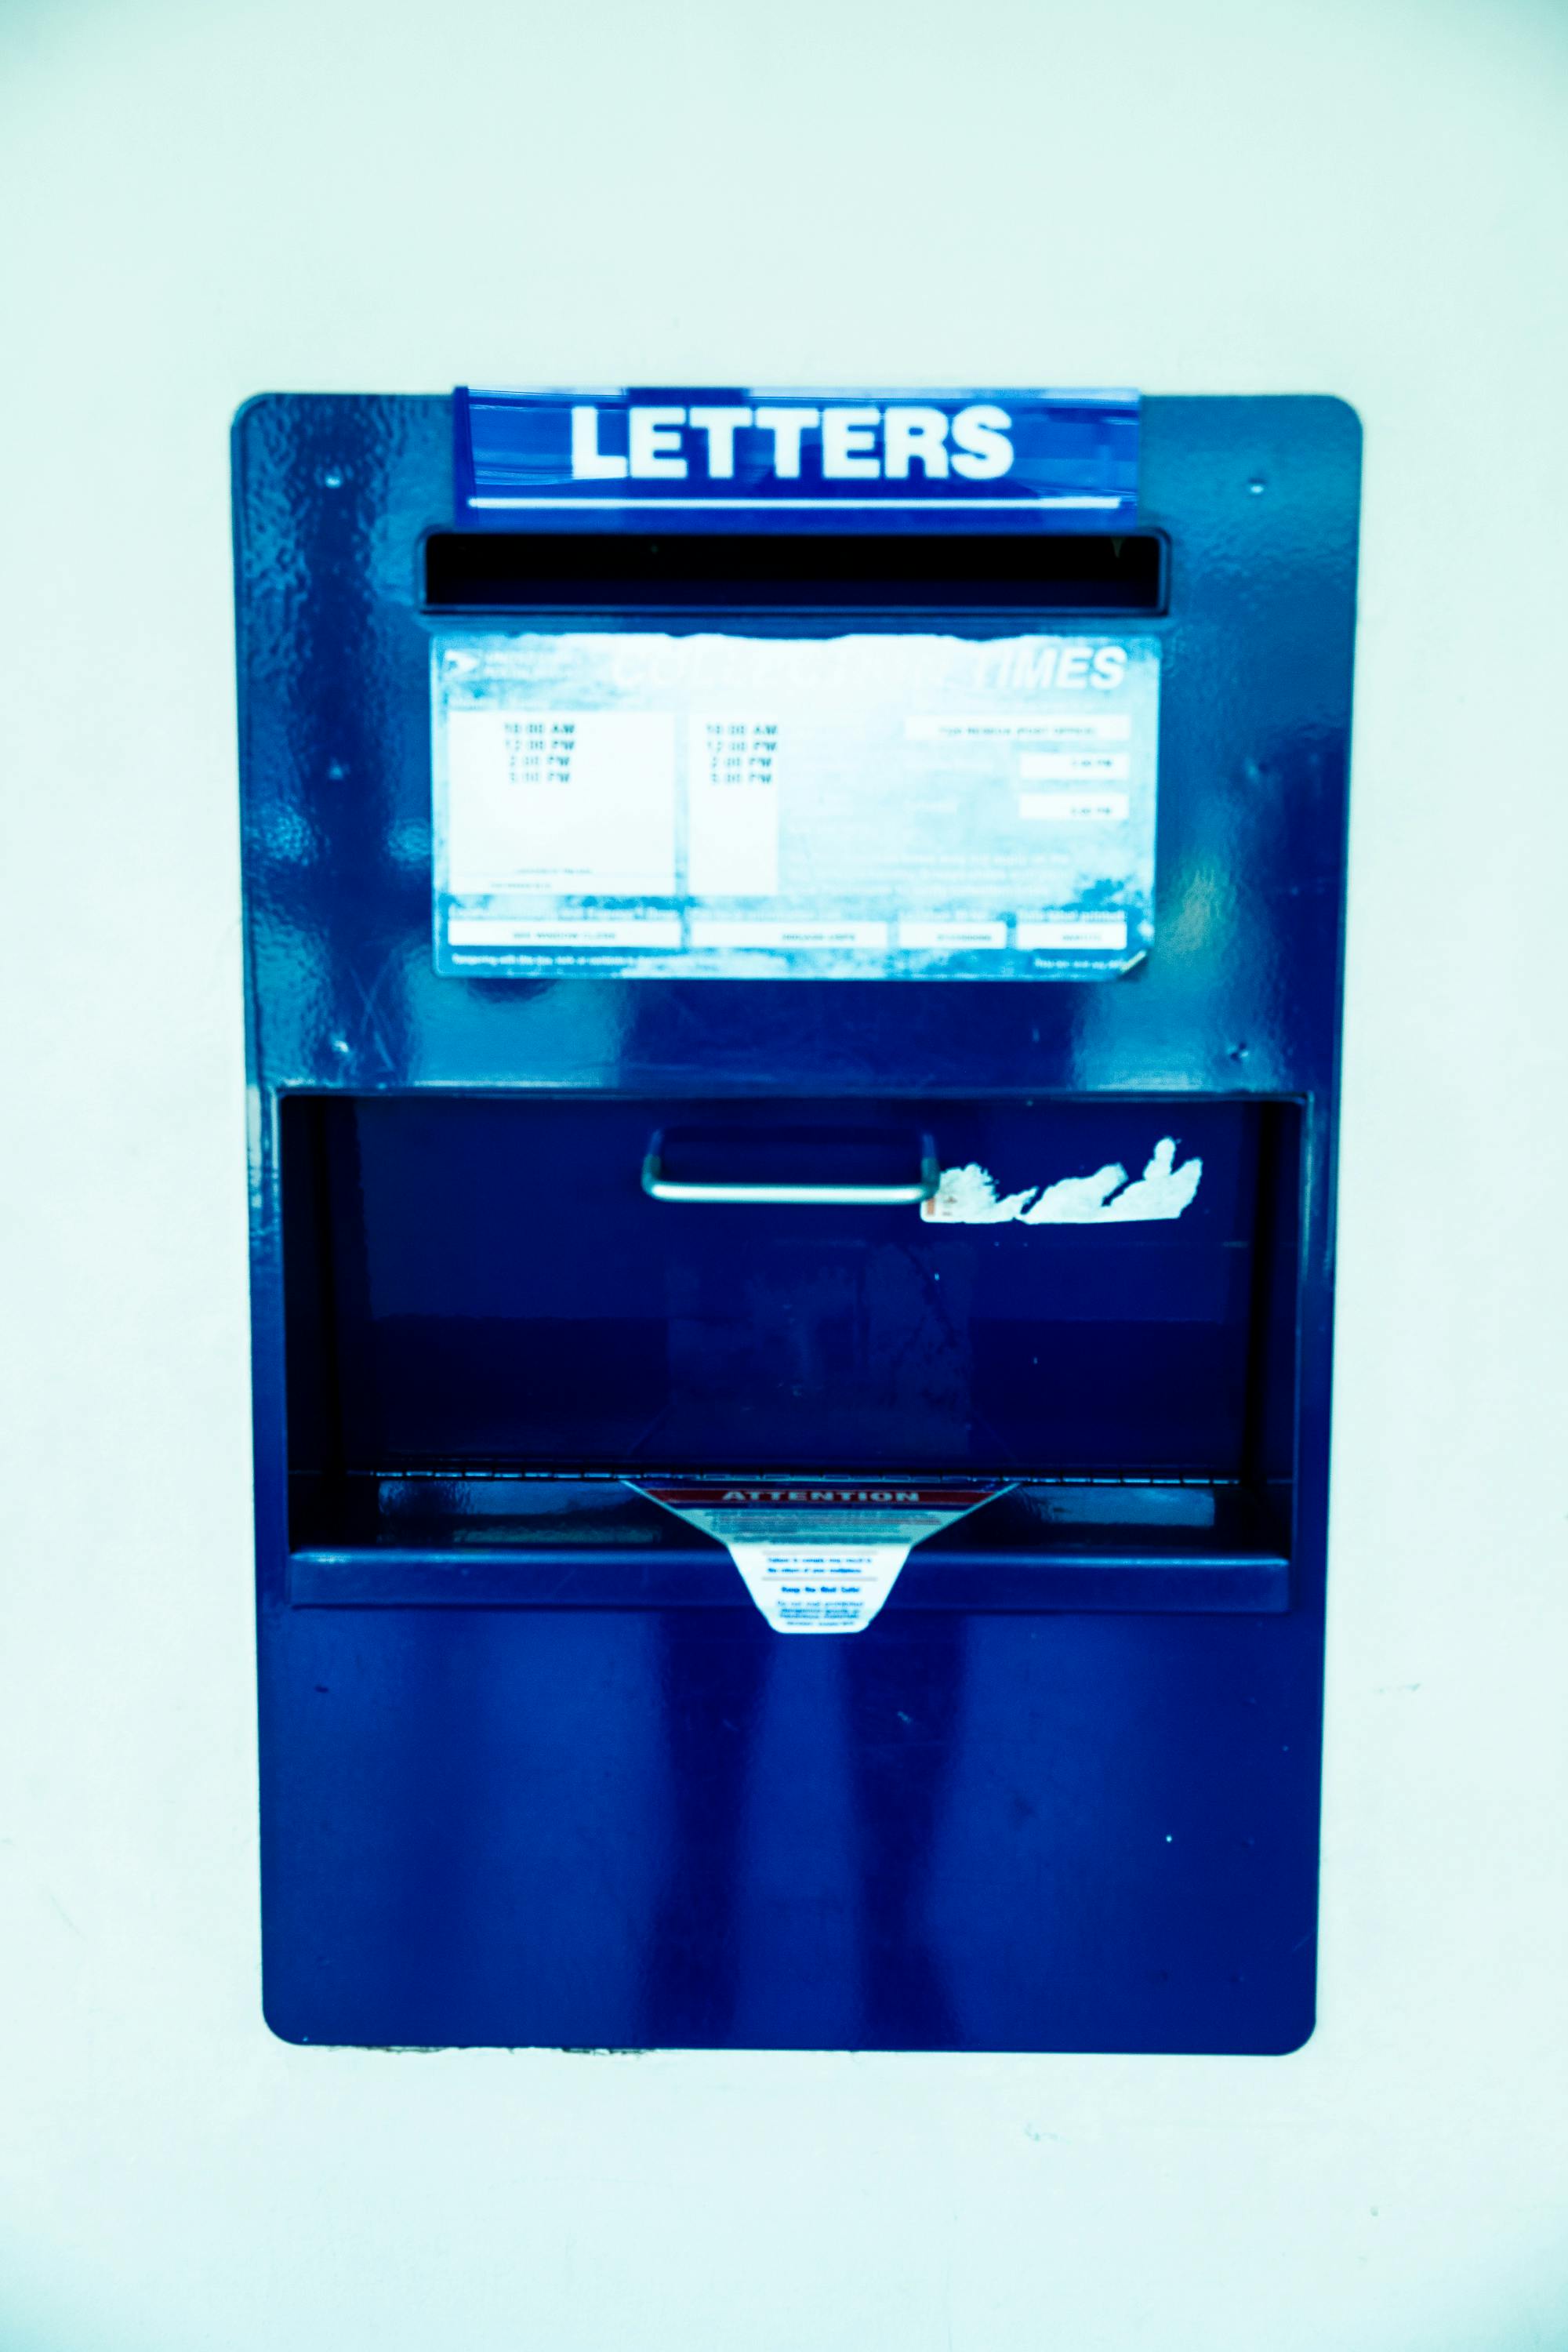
(793, 971)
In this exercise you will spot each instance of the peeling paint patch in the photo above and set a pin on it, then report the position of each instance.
(1077, 1200)
(968, 1196)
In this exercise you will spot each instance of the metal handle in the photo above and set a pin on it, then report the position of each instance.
(658, 1187)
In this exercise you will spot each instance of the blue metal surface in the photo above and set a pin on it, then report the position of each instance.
(532, 1768)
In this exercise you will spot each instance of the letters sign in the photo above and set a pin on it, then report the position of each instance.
(1069, 454)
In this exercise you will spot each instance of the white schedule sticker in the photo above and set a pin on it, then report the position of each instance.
(888, 806)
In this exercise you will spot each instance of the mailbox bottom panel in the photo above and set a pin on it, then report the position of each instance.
(637, 1830)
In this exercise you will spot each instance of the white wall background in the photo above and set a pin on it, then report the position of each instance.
(203, 202)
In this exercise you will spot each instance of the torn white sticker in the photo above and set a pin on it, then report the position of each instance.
(820, 1556)
(968, 1196)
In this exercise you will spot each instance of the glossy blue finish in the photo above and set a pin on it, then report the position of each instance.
(533, 1771)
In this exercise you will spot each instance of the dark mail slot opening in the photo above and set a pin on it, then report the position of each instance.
(493, 1324)
(1026, 573)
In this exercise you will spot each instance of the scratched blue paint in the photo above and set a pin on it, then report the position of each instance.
(533, 1771)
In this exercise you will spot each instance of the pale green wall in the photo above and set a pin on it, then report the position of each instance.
(203, 202)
